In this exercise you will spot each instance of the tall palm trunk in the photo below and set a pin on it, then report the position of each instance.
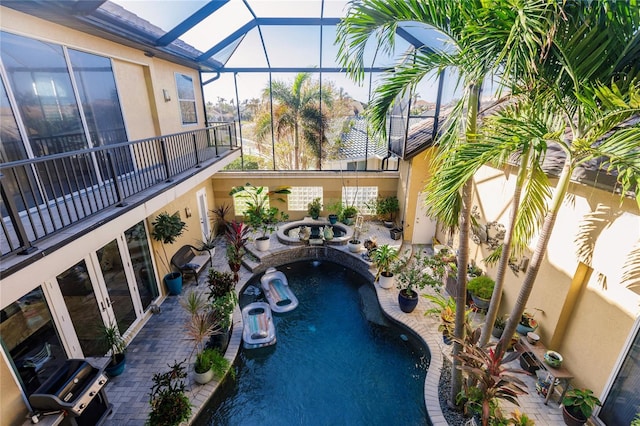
(463, 246)
(503, 264)
(538, 254)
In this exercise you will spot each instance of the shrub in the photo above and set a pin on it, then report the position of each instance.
(482, 286)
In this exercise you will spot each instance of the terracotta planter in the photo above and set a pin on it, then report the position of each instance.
(407, 300)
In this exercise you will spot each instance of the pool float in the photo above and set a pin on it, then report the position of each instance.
(277, 291)
(258, 329)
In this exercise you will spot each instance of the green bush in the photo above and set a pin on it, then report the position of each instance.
(482, 286)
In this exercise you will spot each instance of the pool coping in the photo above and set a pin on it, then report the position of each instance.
(423, 327)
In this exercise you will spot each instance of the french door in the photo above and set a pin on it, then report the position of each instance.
(107, 288)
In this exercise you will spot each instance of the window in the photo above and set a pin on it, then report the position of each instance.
(621, 404)
(31, 339)
(301, 196)
(359, 196)
(240, 199)
(186, 99)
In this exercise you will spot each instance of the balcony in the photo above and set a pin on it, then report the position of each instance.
(44, 196)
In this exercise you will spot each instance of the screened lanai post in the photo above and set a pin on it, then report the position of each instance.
(273, 140)
(14, 215)
(235, 83)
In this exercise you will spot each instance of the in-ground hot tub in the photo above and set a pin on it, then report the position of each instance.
(289, 232)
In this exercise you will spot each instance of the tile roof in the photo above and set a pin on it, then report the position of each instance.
(357, 145)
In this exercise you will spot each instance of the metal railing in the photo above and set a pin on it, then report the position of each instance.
(43, 196)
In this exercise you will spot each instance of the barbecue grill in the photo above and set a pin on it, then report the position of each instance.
(76, 389)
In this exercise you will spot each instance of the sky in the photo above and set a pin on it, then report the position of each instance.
(291, 46)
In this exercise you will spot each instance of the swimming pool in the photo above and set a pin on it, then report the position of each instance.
(331, 365)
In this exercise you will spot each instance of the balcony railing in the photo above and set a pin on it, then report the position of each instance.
(43, 196)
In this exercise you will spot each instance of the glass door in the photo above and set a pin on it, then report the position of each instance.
(114, 285)
(142, 265)
(84, 307)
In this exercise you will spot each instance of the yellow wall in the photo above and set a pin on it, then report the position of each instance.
(140, 80)
(13, 407)
(603, 317)
(414, 176)
(332, 183)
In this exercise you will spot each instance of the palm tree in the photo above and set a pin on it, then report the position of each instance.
(297, 113)
(485, 35)
(595, 100)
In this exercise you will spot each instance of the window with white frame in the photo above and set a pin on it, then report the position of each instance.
(240, 199)
(360, 196)
(186, 99)
(301, 196)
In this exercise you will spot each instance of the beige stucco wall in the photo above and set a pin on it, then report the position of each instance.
(140, 79)
(332, 182)
(13, 407)
(604, 317)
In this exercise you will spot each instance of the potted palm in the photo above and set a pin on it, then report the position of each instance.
(314, 208)
(169, 402)
(412, 275)
(578, 405)
(383, 258)
(258, 214)
(114, 342)
(166, 229)
(208, 244)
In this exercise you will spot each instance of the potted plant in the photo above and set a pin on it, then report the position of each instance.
(236, 236)
(445, 310)
(355, 244)
(113, 341)
(348, 214)
(526, 324)
(166, 229)
(314, 208)
(481, 289)
(202, 367)
(220, 220)
(200, 328)
(410, 277)
(578, 405)
(220, 311)
(258, 214)
(220, 284)
(498, 326)
(335, 209)
(385, 209)
(170, 405)
(208, 244)
(383, 258)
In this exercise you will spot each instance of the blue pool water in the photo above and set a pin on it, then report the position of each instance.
(330, 365)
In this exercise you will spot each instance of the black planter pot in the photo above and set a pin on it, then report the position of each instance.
(220, 341)
(395, 233)
(407, 301)
(497, 332)
(572, 419)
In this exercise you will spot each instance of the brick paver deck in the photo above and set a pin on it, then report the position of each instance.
(162, 340)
